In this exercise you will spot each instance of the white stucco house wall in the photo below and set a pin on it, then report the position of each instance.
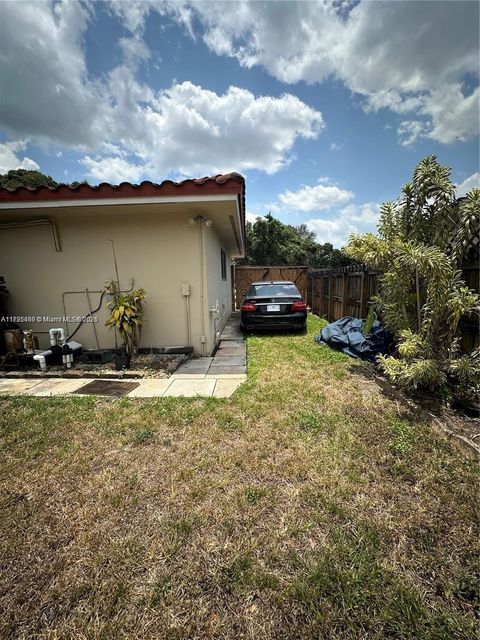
(175, 240)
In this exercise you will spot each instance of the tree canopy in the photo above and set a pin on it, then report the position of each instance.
(28, 178)
(271, 242)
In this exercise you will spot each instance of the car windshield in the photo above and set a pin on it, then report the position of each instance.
(274, 290)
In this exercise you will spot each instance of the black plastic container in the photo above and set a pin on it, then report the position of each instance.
(122, 361)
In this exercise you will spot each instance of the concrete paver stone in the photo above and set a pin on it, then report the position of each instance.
(190, 388)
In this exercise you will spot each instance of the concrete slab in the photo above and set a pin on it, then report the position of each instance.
(196, 365)
(232, 328)
(227, 387)
(222, 352)
(232, 336)
(220, 385)
(200, 361)
(13, 387)
(227, 376)
(55, 387)
(190, 388)
(188, 376)
(153, 388)
(226, 369)
(224, 361)
(229, 344)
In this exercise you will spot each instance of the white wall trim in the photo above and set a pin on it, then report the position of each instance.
(94, 202)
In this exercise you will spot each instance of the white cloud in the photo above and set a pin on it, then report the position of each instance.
(252, 217)
(472, 182)
(364, 215)
(449, 116)
(196, 129)
(454, 116)
(340, 216)
(335, 147)
(9, 159)
(354, 218)
(314, 198)
(409, 131)
(335, 231)
(134, 49)
(184, 129)
(132, 13)
(49, 97)
(409, 57)
(114, 170)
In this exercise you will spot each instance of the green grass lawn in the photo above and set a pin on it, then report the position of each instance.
(308, 506)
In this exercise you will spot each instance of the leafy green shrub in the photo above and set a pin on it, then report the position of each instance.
(126, 315)
(421, 242)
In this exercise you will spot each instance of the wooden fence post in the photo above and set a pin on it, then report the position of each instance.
(344, 293)
(362, 296)
(329, 314)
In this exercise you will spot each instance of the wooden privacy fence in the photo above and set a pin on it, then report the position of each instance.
(469, 326)
(334, 293)
(245, 275)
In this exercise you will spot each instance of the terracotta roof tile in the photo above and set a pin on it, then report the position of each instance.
(218, 179)
(221, 183)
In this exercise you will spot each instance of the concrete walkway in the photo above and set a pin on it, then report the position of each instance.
(218, 376)
(230, 358)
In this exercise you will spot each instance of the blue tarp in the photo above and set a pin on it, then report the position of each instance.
(346, 335)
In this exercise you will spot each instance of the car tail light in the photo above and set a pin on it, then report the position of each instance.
(248, 306)
(299, 306)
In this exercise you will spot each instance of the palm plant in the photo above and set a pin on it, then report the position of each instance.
(126, 315)
(422, 240)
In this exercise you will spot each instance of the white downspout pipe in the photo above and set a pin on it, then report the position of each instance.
(203, 286)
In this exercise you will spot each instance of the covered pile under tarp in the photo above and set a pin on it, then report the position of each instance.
(347, 335)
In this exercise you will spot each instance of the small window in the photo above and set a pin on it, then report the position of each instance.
(223, 258)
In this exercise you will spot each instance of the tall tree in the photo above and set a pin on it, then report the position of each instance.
(271, 242)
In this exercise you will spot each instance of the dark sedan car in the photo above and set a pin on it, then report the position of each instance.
(273, 305)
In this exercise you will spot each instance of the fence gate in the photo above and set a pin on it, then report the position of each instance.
(245, 275)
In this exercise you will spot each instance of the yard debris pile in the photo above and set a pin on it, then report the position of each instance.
(347, 335)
